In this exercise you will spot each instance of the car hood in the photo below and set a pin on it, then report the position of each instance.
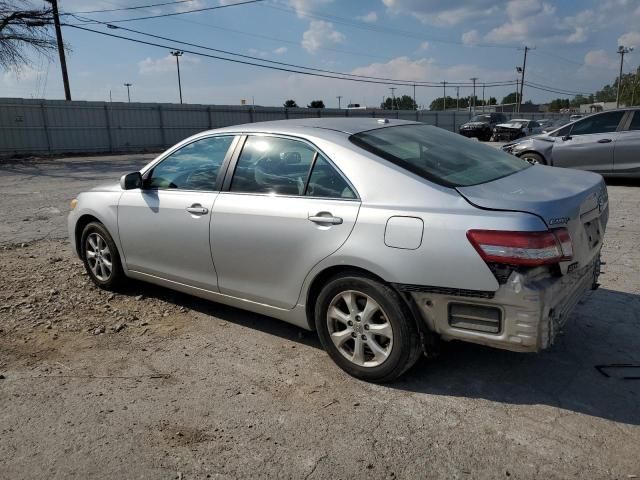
(475, 124)
(516, 126)
(561, 197)
(107, 187)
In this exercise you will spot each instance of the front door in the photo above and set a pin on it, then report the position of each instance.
(589, 144)
(164, 227)
(285, 209)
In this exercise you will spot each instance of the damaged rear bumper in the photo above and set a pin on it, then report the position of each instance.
(525, 314)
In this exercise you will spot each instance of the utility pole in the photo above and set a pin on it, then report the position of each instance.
(524, 67)
(339, 97)
(128, 85)
(483, 98)
(415, 105)
(393, 96)
(457, 98)
(63, 61)
(178, 54)
(621, 50)
(444, 96)
(473, 79)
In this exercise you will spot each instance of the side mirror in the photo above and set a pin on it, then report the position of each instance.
(130, 181)
(566, 137)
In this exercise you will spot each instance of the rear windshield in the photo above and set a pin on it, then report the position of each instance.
(439, 156)
(481, 118)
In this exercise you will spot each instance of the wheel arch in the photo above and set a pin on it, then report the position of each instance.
(84, 220)
(427, 339)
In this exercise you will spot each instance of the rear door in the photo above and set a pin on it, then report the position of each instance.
(284, 208)
(626, 156)
(164, 226)
(589, 144)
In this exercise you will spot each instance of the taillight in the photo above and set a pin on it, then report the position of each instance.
(522, 248)
(566, 245)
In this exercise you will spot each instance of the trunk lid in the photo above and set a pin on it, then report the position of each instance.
(576, 200)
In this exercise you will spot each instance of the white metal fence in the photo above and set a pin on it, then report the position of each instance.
(48, 127)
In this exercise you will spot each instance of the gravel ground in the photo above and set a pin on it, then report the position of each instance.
(155, 384)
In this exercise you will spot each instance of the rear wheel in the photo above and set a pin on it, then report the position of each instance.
(100, 257)
(533, 158)
(366, 328)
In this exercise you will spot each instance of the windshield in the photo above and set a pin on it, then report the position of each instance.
(481, 118)
(440, 156)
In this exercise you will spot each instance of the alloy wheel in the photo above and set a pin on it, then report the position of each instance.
(359, 328)
(98, 256)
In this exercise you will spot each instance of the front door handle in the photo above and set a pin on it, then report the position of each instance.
(326, 218)
(197, 209)
(604, 140)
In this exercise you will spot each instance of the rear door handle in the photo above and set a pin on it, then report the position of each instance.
(326, 218)
(604, 140)
(197, 209)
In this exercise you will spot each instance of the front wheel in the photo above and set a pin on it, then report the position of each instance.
(366, 328)
(533, 158)
(100, 257)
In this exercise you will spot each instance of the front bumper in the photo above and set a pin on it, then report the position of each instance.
(507, 135)
(475, 132)
(533, 307)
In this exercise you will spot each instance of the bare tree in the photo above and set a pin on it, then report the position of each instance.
(24, 29)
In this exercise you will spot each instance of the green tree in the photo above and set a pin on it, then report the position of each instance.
(405, 102)
(290, 104)
(511, 98)
(316, 104)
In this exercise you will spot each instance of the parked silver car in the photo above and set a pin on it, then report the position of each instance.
(607, 143)
(381, 235)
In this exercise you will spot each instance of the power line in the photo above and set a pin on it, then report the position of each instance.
(331, 72)
(553, 90)
(173, 14)
(107, 10)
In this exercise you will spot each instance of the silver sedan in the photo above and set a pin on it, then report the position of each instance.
(384, 236)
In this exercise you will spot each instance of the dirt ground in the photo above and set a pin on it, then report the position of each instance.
(150, 383)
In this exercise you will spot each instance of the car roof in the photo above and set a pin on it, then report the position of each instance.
(316, 126)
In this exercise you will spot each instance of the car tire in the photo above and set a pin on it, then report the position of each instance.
(348, 309)
(100, 257)
(533, 158)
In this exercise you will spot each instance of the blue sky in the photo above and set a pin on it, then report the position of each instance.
(418, 40)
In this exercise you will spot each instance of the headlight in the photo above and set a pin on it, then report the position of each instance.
(73, 203)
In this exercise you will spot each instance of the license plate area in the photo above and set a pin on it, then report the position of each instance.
(592, 229)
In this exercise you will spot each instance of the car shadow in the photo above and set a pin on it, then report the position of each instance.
(603, 330)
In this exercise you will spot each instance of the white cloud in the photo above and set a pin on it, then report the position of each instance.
(370, 17)
(303, 6)
(280, 50)
(600, 58)
(630, 39)
(471, 37)
(319, 34)
(150, 66)
(424, 45)
(538, 21)
(443, 12)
